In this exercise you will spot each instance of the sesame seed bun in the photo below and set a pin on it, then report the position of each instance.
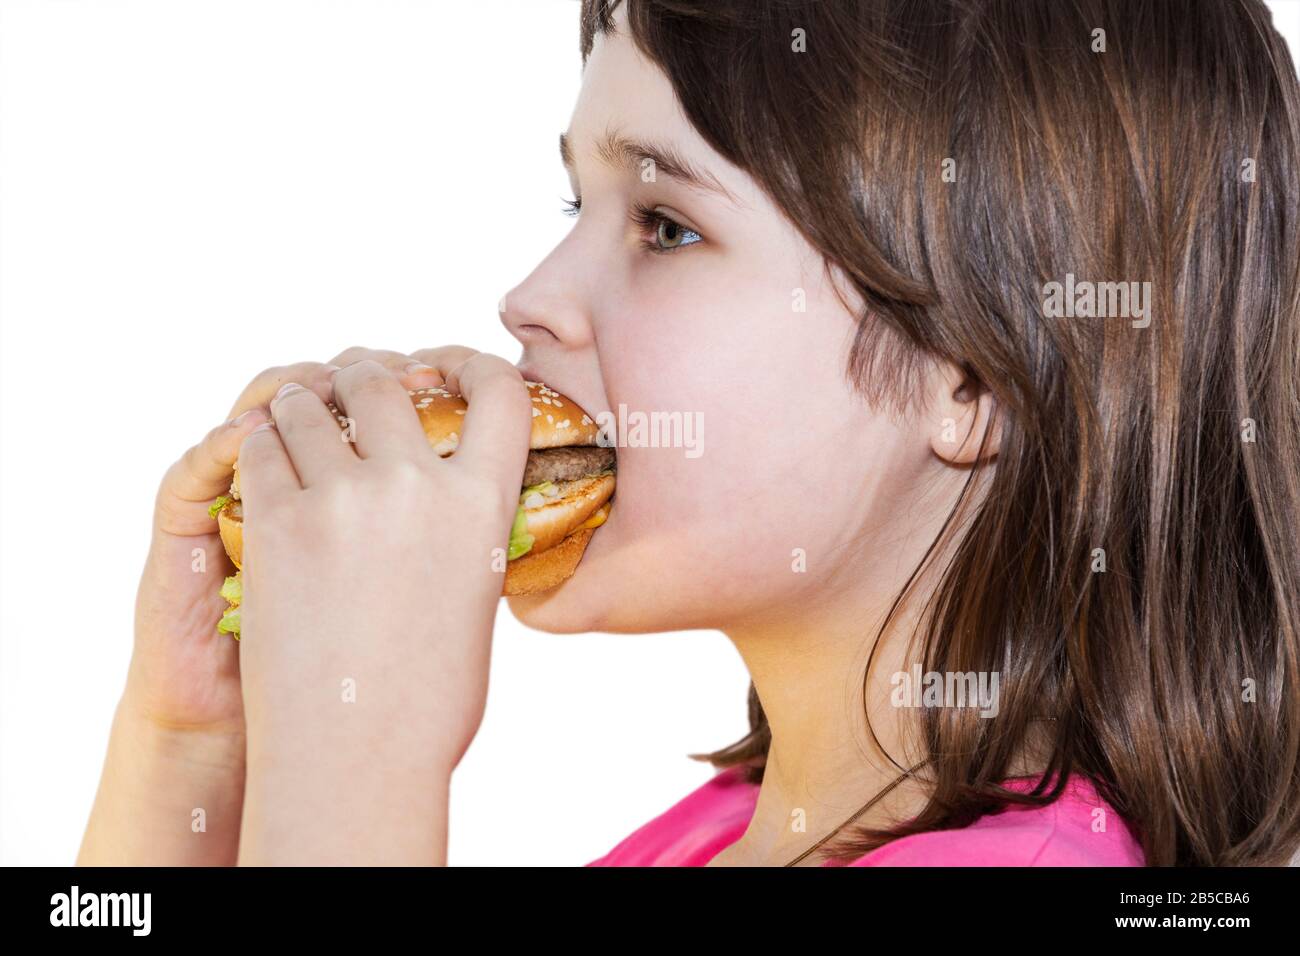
(560, 524)
(557, 420)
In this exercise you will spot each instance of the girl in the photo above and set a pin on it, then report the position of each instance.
(992, 311)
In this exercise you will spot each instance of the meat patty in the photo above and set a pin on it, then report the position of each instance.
(566, 464)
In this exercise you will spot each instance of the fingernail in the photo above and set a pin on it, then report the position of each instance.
(331, 369)
(417, 367)
(262, 427)
(285, 389)
(241, 419)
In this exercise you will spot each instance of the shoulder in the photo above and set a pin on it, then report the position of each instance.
(1078, 829)
(694, 829)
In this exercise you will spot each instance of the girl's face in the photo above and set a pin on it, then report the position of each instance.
(721, 313)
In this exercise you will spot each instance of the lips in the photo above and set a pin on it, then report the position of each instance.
(531, 374)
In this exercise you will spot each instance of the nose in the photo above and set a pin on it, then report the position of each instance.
(549, 309)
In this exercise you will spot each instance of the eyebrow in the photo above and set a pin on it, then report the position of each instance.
(618, 151)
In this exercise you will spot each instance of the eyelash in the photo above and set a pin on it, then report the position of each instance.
(647, 217)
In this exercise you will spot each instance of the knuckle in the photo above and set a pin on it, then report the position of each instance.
(301, 371)
(251, 451)
(297, 424)
(296, 398)
(167, 508)
(193, 456)
(403, 474)
(444, 354)
(273, 372)
(297, 410)
(335, 497)
(508, 389)
(273, 528)
(387, 358)
(264, 384)
(212, 438)
(483, 501)
(350, 355)
(492, 373)
(367, 377)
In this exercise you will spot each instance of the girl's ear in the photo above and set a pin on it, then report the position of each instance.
(962, 412)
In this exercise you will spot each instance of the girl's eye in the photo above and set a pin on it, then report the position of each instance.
(669, 234)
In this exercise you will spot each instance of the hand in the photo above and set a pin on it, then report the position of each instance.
(370, 589)
(177, 741)
(184, 674)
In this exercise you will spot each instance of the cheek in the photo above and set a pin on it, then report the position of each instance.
(773, 468)
(713, 530)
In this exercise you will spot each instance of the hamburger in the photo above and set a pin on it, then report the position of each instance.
(568, 484)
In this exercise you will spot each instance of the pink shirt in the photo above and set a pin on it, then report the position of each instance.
(1078, 829)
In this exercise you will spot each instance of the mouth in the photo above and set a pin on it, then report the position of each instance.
(531, 374)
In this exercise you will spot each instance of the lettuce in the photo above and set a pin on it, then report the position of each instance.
(521, 542)
(229, 623)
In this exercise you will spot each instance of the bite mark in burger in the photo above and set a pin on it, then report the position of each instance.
(568, 484)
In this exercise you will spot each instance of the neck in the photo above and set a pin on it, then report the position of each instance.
(809, 665)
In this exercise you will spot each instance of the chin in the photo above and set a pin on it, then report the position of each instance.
(628, 582)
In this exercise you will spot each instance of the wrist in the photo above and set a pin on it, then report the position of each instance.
(330, 796)
(335, 813)
(159, 741)
(168, 795)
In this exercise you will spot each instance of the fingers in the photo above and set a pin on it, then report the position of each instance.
(410, 370)
(310, 433)
(260, 391)
(498, 425)
(315, 376)
(266, 473)
(386, 424)
(195, 480)
(444, 358)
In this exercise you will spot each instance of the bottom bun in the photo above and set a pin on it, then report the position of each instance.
(544, 570)
(230, 522)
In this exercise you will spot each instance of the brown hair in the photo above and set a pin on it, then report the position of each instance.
(953, 157)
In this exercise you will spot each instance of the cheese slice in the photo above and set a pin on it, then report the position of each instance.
(598, 517)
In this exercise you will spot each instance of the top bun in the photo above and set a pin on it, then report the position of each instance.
(558, 421)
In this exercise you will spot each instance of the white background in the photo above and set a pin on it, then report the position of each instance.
(191, 192)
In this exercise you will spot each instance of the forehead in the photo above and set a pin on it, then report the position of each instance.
(621, 87)
(624, 92)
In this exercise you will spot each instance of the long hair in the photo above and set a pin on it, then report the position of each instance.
(1133, 571)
